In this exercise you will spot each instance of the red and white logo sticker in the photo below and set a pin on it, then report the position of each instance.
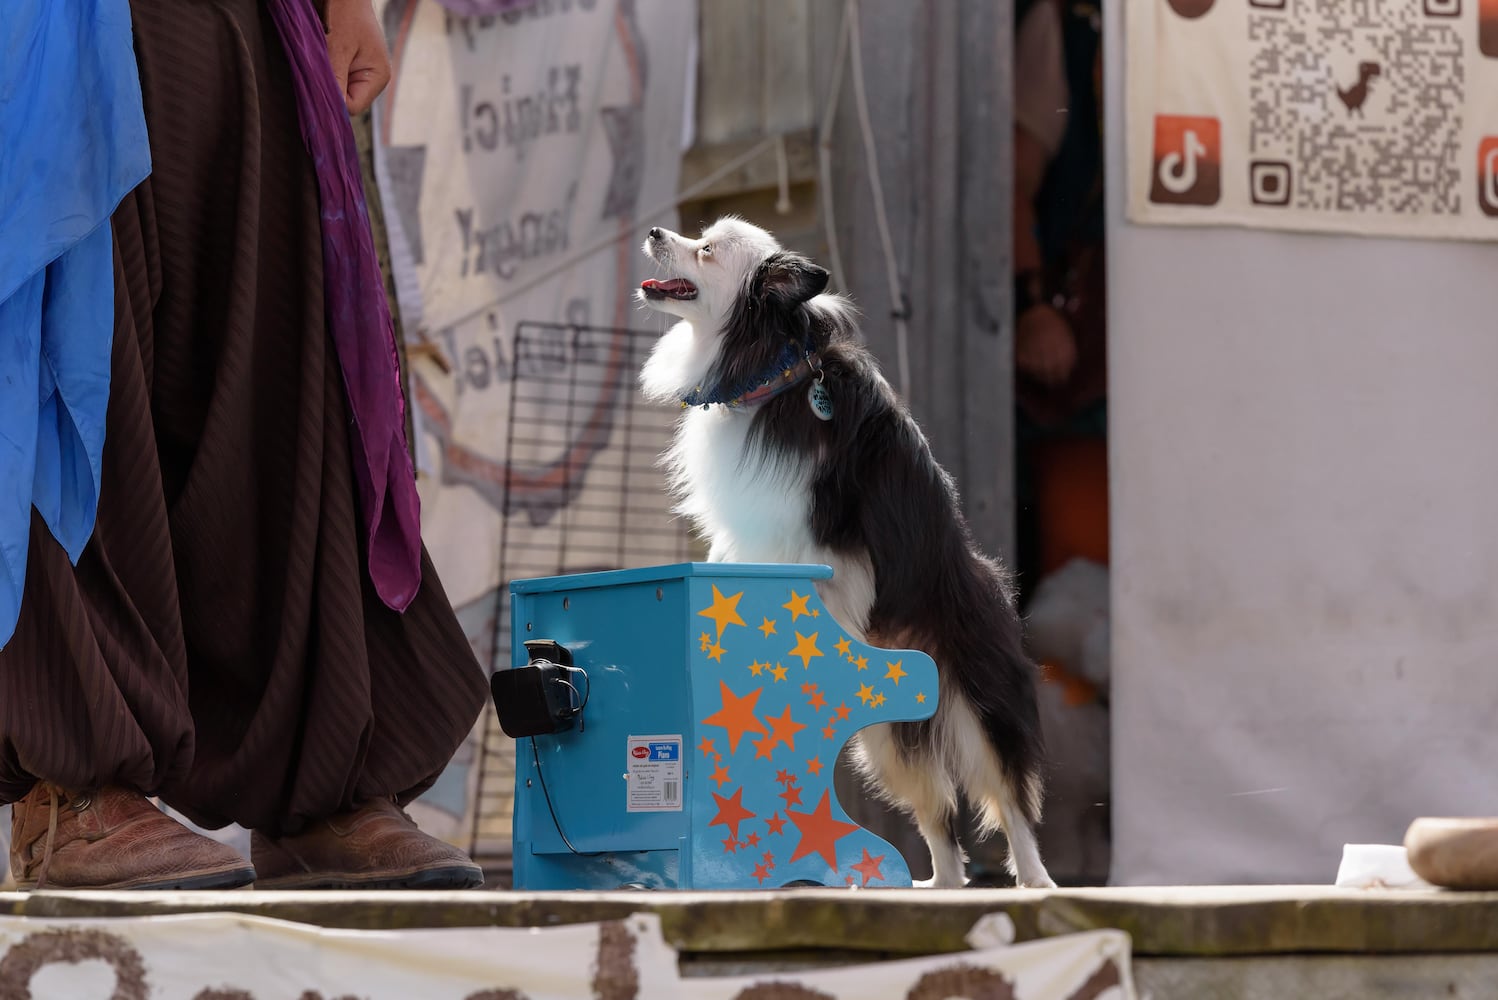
(1487, 175)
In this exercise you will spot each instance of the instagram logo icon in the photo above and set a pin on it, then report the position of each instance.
(1487, 175)
(1187, 162)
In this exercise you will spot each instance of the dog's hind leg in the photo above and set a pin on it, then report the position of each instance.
(1024, 852)
(987, 786)
(913, 779)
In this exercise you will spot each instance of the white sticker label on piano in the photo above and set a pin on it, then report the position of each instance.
(654, 769)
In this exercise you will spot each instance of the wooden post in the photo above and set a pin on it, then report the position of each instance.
(940, 103)
(940, 100)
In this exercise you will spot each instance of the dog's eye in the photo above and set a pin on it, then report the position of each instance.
(707, 250)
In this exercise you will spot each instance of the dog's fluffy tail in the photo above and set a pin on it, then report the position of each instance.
(997, 787)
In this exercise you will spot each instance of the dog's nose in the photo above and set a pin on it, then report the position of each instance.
(657, 233)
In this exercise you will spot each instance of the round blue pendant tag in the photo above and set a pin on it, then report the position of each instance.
(820, 400)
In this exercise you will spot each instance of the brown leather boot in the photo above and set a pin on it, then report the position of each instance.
(377, 846)
(113, 838)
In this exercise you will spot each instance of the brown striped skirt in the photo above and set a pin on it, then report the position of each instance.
(219, 643)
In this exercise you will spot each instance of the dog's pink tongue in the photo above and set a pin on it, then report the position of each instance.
(676, 288)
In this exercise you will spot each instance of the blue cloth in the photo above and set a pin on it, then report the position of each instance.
(72, 144)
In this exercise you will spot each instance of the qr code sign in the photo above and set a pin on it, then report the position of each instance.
(1356, 105)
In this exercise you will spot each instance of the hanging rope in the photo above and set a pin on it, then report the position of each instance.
(850, 41)
(899, 305)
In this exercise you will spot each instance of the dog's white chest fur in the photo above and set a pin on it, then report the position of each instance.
(751, 510)
(756, 509)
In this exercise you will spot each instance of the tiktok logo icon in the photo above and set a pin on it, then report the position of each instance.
(1187, 161)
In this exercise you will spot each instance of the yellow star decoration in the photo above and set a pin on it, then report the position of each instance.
(768, 628)
(878, 699)
(865, 693)
(756, 667)
(806, 648)
(895, 673)
(705, 640)
(778, 671)
(861, 662)
(715, 652)
(724, 610)
(920, 699)
(843, 646)
(797, 605)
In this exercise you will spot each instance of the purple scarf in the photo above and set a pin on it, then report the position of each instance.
(358, 314)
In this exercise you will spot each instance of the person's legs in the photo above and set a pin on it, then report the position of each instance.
(93, 686)
(235, 660)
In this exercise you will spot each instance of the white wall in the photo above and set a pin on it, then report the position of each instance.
(1305, 541)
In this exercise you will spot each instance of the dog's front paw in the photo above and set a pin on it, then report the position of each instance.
(1043, 882)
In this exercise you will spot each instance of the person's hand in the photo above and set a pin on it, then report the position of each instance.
(356, 48)
(1044, 347)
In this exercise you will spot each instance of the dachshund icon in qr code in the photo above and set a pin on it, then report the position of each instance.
(1355, 96)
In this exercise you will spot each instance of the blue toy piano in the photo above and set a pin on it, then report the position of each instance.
(677, 728)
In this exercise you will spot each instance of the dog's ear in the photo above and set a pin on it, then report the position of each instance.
(788, 279)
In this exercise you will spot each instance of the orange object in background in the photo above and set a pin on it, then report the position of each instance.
(1071, 492)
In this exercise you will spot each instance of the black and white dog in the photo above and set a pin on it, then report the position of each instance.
(793, 448)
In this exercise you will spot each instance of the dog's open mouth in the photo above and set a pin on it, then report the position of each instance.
(676, 288)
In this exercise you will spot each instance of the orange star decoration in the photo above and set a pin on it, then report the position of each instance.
(706, 746)
(814, 766)
(829, 732)
(764, 748)
(756, 667)
(785, 777)
(843, 646)
(724, 611)
(768, 628)
(806, 648)
(715, 652)
(878, 701)
(920, 699)
(792, 796)
(894, 673)
(778, 671)
(869, 867)
(752, 840)
(731, 812)
(736, 715)
(770, 858)
(842, 711)
(730, 846)
(776, 823)
(705, 640)
(784, 729)
(861, 662)
(817, 702)
(865, 693)
(797, 606)
(819, 831)
(760, 873)
(720, 775)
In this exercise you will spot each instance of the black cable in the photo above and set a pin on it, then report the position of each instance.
(536, 756)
